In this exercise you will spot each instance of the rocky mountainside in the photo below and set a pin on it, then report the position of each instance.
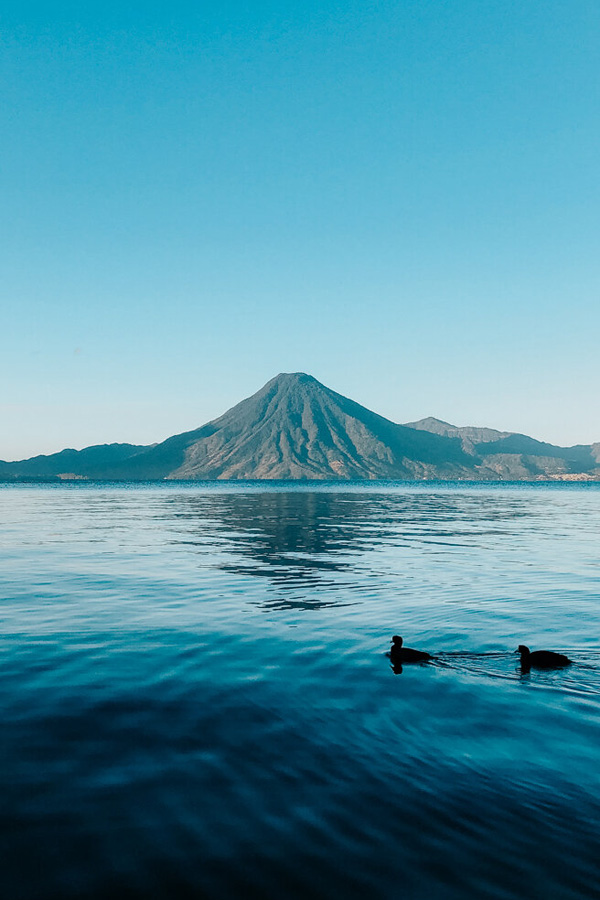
(296, 428)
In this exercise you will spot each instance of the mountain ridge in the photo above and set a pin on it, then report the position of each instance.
(295, 428)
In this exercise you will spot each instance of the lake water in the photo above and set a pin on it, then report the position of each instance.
(196, 702)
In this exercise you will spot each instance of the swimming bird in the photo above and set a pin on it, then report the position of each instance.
(541, 659)
(400, 654)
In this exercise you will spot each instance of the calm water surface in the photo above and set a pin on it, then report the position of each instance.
(196, 702)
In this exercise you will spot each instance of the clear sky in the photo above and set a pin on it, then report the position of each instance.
(399, 198)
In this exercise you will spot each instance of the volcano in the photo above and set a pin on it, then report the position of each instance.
(295, 428)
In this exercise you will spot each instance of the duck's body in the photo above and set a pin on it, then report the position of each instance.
(400, 654)
(542, 659)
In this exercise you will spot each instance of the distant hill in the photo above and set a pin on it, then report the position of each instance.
(468, 435)
(87, 463)
(296, 428)
(512, 455)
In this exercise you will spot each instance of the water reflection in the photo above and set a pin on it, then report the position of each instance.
(303, 540)
(161, 737)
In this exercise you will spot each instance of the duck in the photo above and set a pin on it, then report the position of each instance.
(400, 654)
(541, 659)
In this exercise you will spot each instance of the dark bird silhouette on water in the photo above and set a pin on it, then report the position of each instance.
(541, 659)
(400, 654)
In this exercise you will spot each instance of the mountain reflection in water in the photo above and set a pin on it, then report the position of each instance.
(299, 539)
(196, 699)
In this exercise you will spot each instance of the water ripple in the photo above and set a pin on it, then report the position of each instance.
(196, 700)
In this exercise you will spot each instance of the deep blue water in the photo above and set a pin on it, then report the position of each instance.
(196, 702)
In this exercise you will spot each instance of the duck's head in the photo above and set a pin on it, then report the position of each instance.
(523, 650)
(397, 640)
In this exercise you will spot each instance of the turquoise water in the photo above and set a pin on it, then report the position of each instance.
(196, 702)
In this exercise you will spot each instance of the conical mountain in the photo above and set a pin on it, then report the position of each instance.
(296, 428)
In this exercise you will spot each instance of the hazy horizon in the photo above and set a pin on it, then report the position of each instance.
(400, 200)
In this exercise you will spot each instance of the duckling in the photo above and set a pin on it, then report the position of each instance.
(541, 659)
(400, 654)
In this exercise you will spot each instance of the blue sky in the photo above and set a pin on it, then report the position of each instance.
(399, 198)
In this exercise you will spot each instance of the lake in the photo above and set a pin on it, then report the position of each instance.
(196, 701)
